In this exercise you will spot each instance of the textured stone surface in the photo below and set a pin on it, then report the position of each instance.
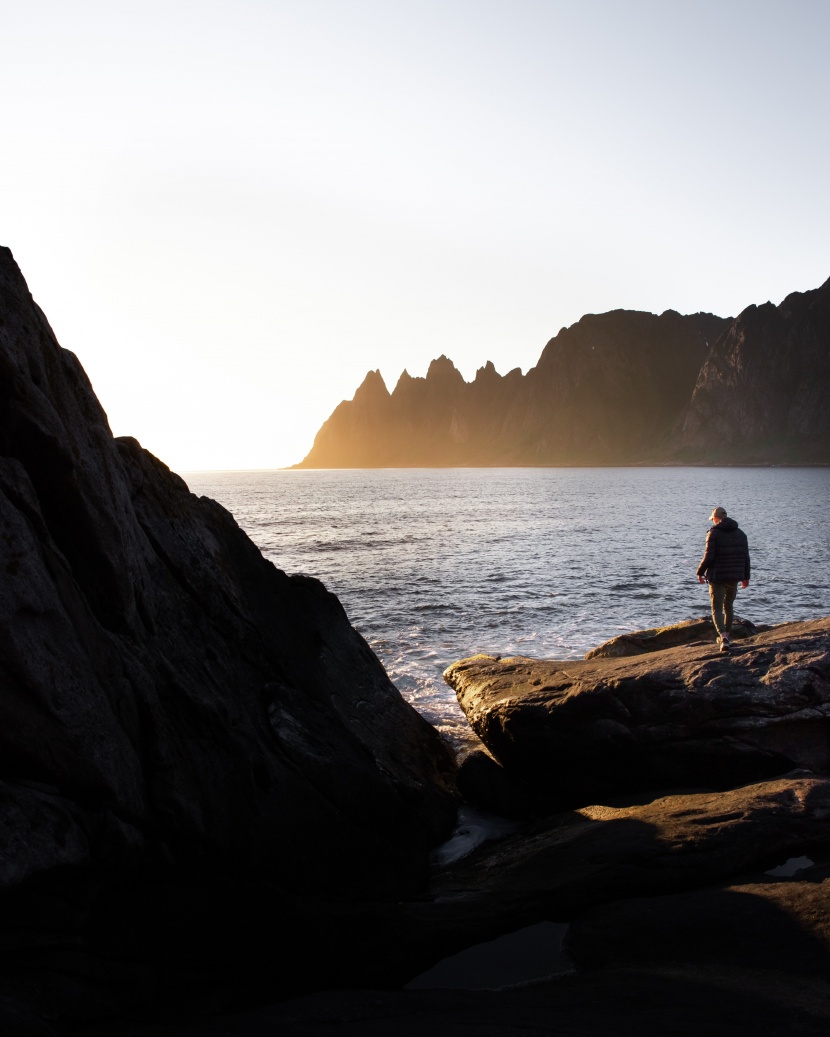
(571, 861)
(176, 714)
(576, 732)
(690, 631)
(557, 867)
(761, 396)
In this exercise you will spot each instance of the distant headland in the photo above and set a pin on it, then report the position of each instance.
(618, 388)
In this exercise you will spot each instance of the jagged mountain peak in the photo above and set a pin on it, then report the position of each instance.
(372, 387)
(622, 387)
(443, 370)
(487, 374)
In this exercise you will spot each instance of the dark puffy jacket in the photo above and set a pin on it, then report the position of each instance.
(726, 559)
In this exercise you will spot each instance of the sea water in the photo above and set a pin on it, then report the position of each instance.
(433, 565)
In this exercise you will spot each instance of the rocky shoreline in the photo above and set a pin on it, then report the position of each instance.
(680, 917)
(218, 815)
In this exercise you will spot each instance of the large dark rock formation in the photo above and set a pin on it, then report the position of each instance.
(578, 731)
(210, 789)
(614, 388)
(606, 390)
(761, 396)
(195, 747)
(635, 863)
(668, 868)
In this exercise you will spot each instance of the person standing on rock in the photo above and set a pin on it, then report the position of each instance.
(724, 565)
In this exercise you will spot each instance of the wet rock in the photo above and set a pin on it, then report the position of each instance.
(183, 726)
(557, 867)
(577, 732)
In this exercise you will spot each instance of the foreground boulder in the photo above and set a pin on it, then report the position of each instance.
(564, 864)
(577, 732)
(558, 867)
(194, 745)
(741, 957)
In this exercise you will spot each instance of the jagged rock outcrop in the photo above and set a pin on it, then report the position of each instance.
(578, 731)
(608, 389)
(615, 388)
(194, 746)
(439, 420)
(761, 397)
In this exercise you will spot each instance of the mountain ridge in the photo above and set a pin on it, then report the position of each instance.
(617, 388)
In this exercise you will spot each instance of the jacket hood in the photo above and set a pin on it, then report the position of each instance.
(727, 525)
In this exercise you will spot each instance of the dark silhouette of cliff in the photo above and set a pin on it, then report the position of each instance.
(201, 761)
(761, 396)
(623, 387)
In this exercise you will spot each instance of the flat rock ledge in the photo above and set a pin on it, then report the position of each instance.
(655, 639)
(577, 732)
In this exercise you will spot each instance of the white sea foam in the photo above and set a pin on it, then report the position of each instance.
(433, 565)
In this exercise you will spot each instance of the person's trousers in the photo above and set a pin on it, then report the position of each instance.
(722, 596)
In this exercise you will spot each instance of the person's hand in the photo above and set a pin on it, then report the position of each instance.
(701, 579)
(744, 584)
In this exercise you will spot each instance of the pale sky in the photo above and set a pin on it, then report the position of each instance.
(231, 210)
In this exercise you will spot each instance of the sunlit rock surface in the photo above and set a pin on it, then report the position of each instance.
(577, 731)
(690, 631)
(194, 745)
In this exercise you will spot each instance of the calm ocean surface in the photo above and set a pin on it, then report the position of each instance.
(433, 565)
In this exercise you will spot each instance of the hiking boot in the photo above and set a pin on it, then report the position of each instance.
(725, 643)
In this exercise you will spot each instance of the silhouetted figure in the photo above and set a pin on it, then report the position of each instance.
(724, 565)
